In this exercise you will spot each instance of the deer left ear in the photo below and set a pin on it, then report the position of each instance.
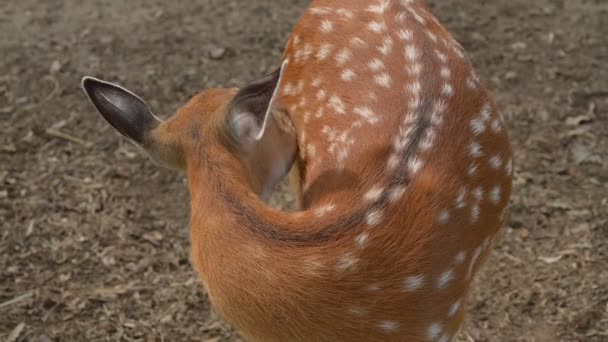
(251, 106)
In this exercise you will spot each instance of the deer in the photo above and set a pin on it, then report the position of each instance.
(397, 153)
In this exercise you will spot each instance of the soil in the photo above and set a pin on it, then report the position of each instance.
(94, 240)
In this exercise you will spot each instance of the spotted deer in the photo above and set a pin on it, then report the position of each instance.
(399, 157)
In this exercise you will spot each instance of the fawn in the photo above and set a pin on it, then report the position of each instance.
(400, 159)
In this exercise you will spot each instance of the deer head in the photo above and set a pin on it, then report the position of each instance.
(241, 124)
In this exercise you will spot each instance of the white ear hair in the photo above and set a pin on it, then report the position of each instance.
(272, 100)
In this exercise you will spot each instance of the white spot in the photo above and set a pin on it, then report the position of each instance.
(442, 57)
(414, 105)
(495, 194)
(357, 42)
(411, 52)
(414, 165)
(347, 262)
(361, 240)
(336, 103)
(475, 213)
(327, 26)
(388, 326)
(376, 26)
(427, 142)
(496, 126)
(321, 95)
(400, 142)
(445, 278)
(475, 150)
(478, 193)
(473, 168)
(436, 116)
(296, 40)
(414, 88)
(319, 113)
(373, 194)
(288, 89)
(400, 17)
(348, 75)
(405, 35)
(320, 10)
(317, 82)
(509, 167)
(447, 89)
(373, 288)
(343, 56)
(348, 14)
(432, 36)
(380, 8)
(417, 16)
(414, 69)
(311, 150)
(477, 126)
(300, 87)
(413, 283)
(371, 96)
(374, 217)
(383, 80)
(471, 83)
(324, 51)
(376, 64)
(440, 106)
(444, 216)
(357, 311)
(396, 194)
(458, 50)
(325, 209)
(434, 331)
(454, 308)
(393, 161)
(486, 112)
(305, 52)
(445, 72)
(459, 258)
(495, 162)
(366, 113)
(387, 46)
(460, 198)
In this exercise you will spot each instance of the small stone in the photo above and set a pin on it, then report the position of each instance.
(511, 75)
(55, 67)
(217, 53)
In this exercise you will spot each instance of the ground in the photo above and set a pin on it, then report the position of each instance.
(94, 239)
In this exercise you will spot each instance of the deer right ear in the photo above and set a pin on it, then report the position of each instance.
(251, 106)
(122, 109)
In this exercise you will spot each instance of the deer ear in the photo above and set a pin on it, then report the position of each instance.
(124, 110)
(251, 106)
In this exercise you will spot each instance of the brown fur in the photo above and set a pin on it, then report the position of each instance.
(281, 276)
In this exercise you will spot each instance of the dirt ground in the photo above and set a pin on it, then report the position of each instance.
(94, 238)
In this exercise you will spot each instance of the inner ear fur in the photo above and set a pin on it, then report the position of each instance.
(249, 109)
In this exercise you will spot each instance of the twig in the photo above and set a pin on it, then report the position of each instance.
(58, 134)
(16, 300)
(14, 335)
(469, 337)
